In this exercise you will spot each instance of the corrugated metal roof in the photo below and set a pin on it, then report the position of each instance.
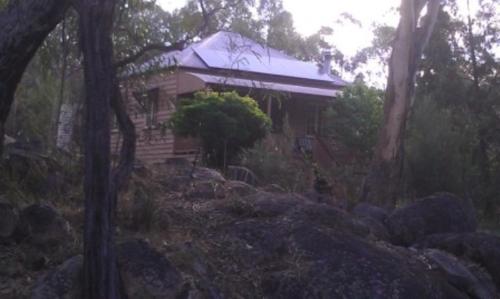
(232, 51)
(291, 88)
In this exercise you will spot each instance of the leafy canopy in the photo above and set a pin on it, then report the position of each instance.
(355, 117)
(224, 122)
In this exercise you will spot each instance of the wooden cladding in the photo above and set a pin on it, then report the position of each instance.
(150, 104)
(148, 101)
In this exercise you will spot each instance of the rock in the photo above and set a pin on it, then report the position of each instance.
(177, 183)
(365, 209)
(193, 263)
(260, 205)
(460, 276)
(146, 273)
(42, 226)
(481, 248)
(315, 196)
(183, 179)
(10, 262)
(273, 188)
(8, 219)
(243, 174)
(64, 282)
(237, 188)
(208, 174)
(34, 259)
(258, 242)
(264, 204)
(378, 230)
(338, 265)
(440, 213)
(207, 189)
(315, 215)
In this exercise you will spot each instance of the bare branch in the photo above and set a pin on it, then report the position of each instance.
(151, 47)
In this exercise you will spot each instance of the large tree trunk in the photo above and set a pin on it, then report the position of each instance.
(100, 273)
(383, 182)
(24, 25)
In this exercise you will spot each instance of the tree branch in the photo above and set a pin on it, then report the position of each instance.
(148, 48)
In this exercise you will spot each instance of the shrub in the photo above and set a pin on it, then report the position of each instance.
(355, 117)
(275, 162)
(225, 122)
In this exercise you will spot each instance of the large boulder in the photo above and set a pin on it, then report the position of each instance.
(464, 276)
(481, 248)
(42, 226)
(265, 204)
(368, 210)
(318, 215)
(285, 246)
(338, 265)
(146, 273)
(63, 282)
(238, 188)
(439, 213)
(8, 219)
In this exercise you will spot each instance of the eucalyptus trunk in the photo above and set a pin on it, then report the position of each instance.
(100, 273)
(383, 183)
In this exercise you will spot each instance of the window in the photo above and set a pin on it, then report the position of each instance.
(148, 101)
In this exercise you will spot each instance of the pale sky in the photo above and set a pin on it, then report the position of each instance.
(310, 15)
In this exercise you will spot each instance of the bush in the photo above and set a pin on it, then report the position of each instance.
(225, 122)
(355, 117)
(273, 166)
(436, 152)
(275, 161)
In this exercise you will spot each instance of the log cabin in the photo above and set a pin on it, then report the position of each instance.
(289, 90)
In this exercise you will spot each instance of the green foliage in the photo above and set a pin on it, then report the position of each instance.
(355, 117)
(436, 152)
(275, 166)
(452, 142)
(275, 161)
(225, 123)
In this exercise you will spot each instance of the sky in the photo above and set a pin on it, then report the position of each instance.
(310, 15)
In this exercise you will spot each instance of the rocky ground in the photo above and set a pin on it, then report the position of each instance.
(195, 234)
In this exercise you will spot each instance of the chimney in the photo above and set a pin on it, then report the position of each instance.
(326, 63)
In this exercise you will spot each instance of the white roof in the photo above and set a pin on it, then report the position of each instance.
(231, 51)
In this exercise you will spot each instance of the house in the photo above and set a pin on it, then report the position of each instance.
(286, 89)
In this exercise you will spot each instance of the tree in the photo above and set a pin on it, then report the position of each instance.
(100, 273)
(457, 97)
(225, 123)
(383, 180)
(354, 119)
(25, 25)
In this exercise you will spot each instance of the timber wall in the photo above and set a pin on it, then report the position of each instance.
(153, 145)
